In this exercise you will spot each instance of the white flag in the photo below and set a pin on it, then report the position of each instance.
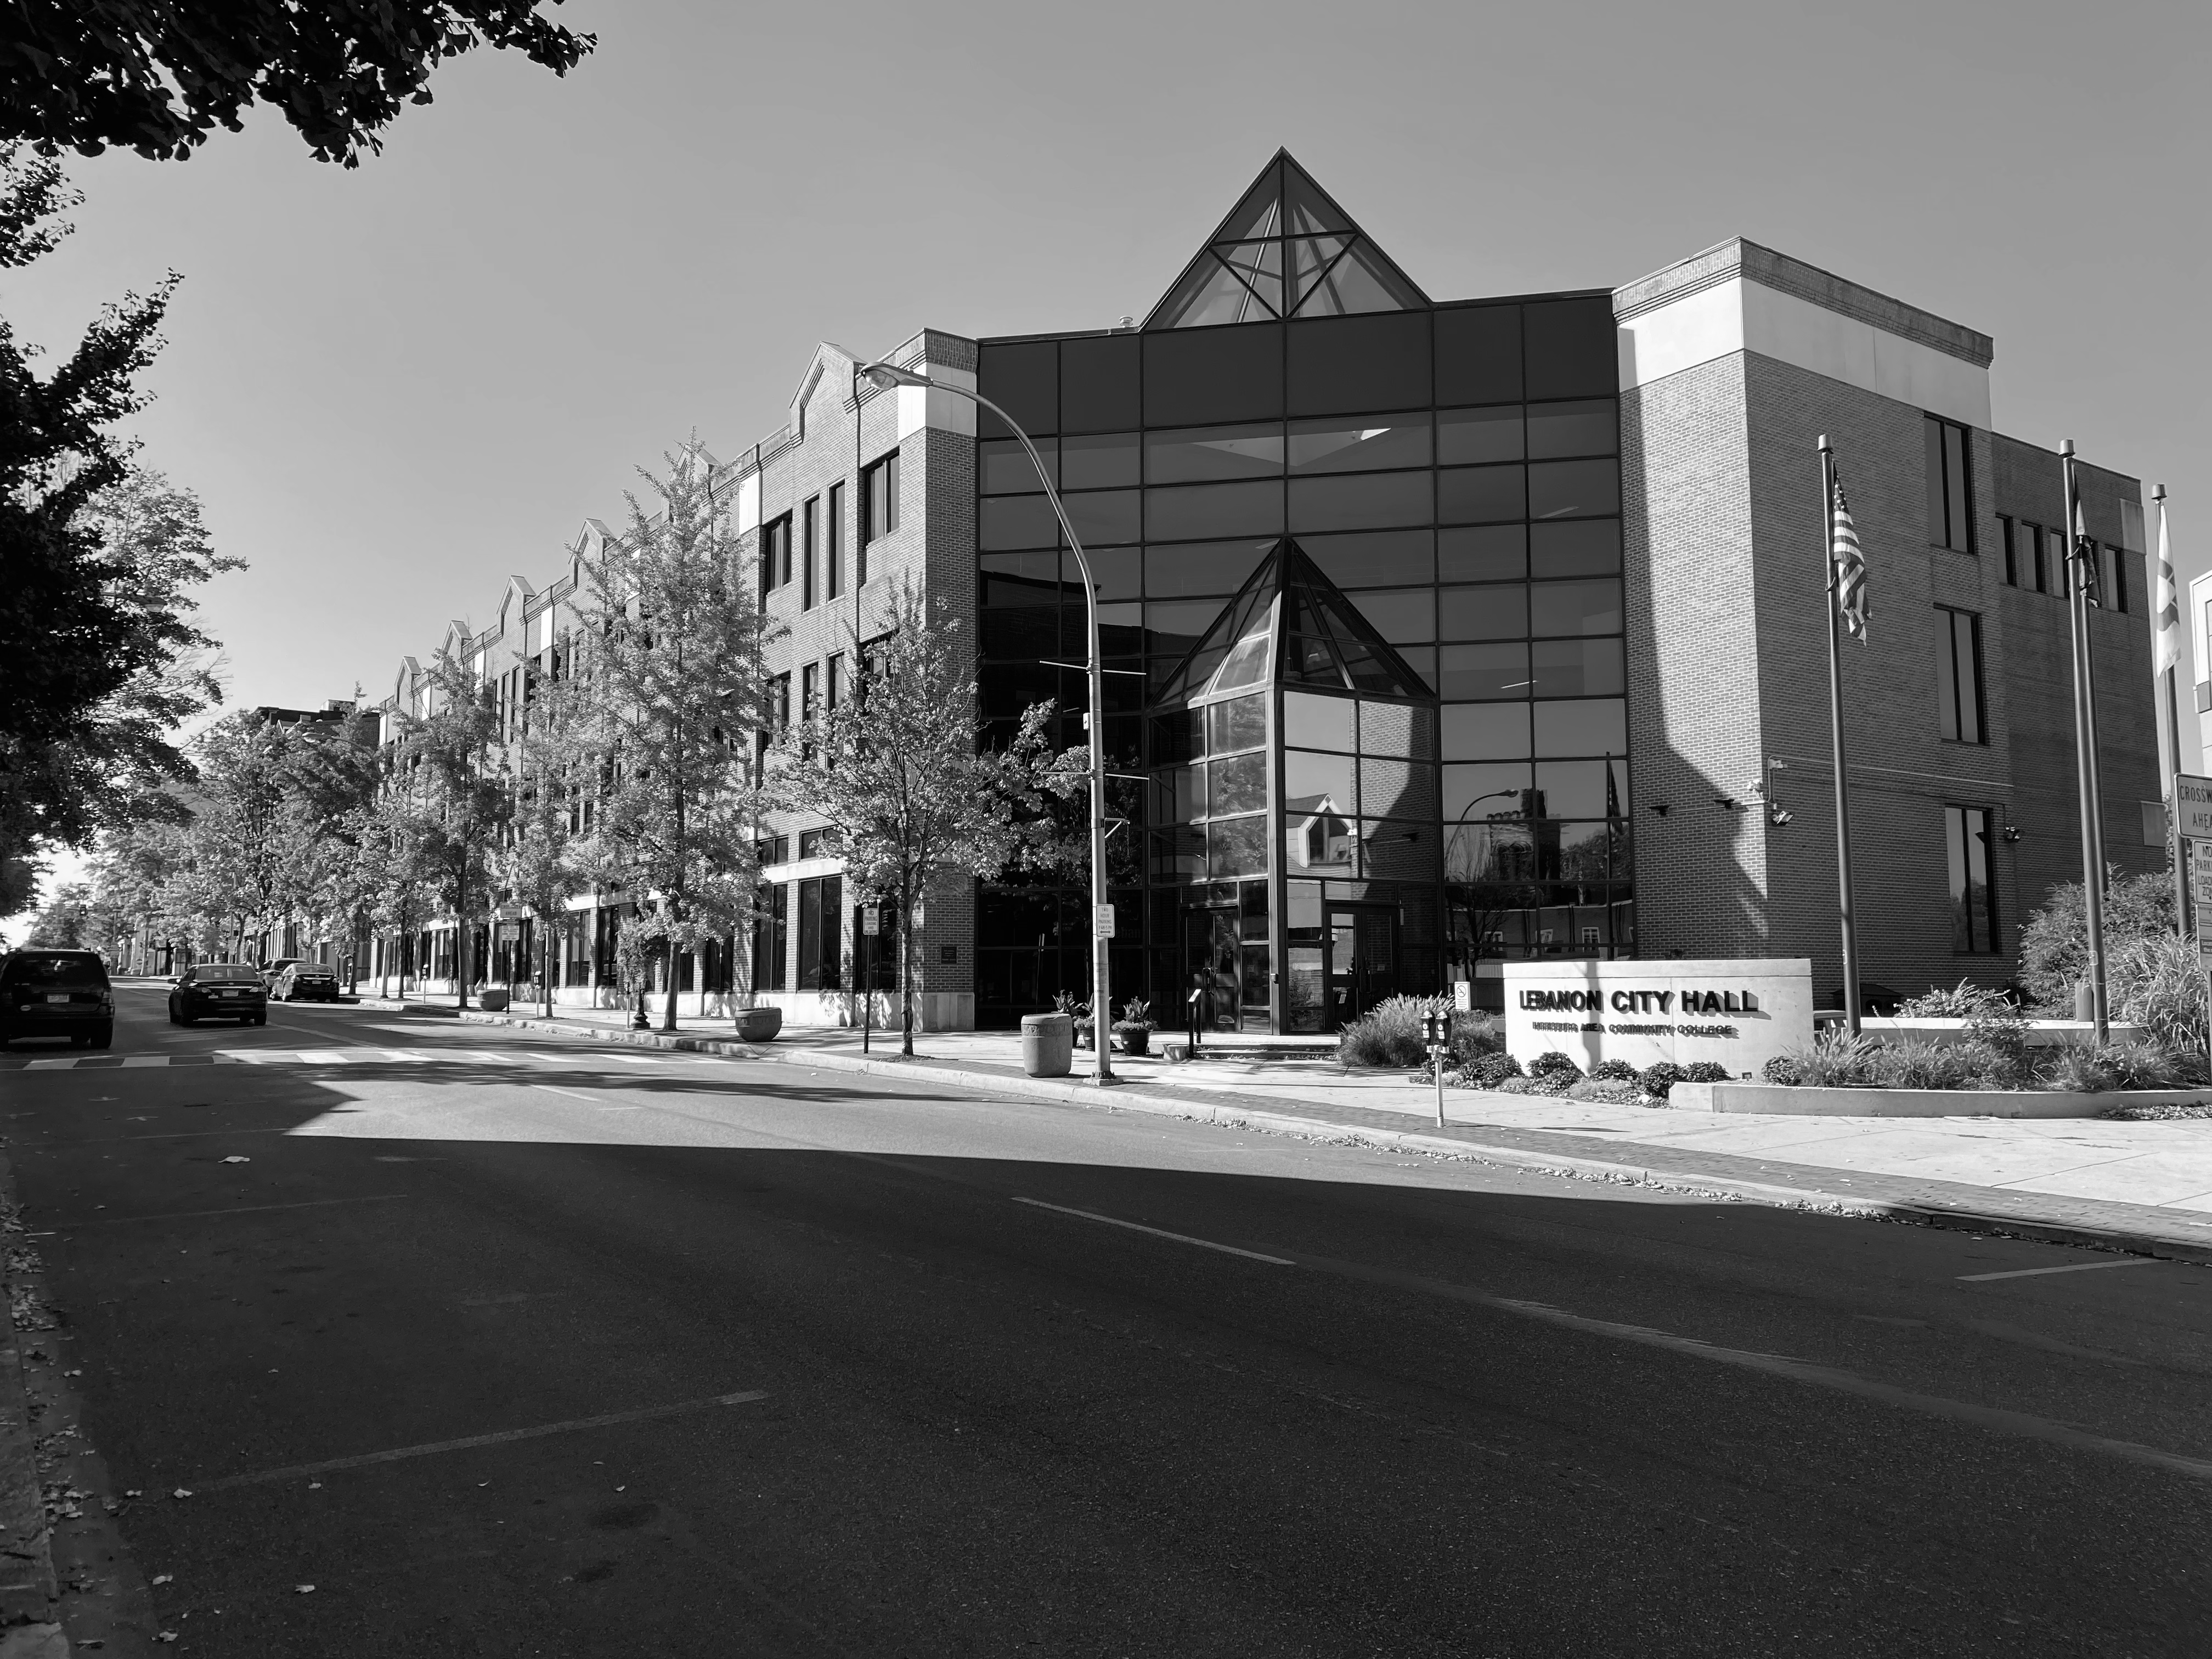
(2167, 642)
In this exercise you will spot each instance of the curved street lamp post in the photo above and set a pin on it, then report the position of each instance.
(887, 376)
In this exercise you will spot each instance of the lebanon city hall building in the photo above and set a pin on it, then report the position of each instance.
(1453, 632)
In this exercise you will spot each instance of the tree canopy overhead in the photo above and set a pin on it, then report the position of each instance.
(159, 78)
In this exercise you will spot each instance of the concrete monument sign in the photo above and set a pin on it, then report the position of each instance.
(1737, 1012)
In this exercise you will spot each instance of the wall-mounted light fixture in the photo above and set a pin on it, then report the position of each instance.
(2012, 832)
(1659, 809)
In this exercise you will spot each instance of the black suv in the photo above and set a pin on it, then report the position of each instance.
(57, 993)
(219, 990)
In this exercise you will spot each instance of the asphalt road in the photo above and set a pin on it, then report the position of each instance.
(511, 1344)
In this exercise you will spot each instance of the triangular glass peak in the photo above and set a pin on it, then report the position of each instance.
(1289, 625)
(1286, 249)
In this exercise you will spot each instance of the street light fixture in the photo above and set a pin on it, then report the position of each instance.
(886, 376)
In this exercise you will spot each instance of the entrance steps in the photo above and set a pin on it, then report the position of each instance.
(1244, 1048)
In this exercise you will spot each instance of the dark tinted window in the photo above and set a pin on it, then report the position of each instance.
(1571, 348)
(228, 970)
(1349, 363)
(1098, 384)
(1024, 379)
(31, 968)
(1193, 376)
(1479, 354)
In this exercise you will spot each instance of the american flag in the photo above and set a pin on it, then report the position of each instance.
(1850, 567)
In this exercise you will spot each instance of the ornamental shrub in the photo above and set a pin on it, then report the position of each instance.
(1607, 1090)
(1490, 1070)
(1964, 1000)
(1389, 1034)
(1660, 1076)
(1706, 1071)
(2159, 984)
(1612, 1071)
(1553, 1063)
(1835, 1060)
(2054, 944)
(1780, 1068)
(1474, 1035)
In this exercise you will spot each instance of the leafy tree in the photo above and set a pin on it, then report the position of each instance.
(252, 854)
(2054, 942)
(336, 770)
(99, 558)
(391, 846)
(539, 863)
(670, 650)
(913, 799)
(159, 78)
(462, 797)
(65, 922)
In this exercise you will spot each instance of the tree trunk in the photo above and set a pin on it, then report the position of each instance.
(668, 1015)
(461, 935)
(906, 969)
(545, 972)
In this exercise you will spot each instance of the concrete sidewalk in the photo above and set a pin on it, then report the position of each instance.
(2138, 1186)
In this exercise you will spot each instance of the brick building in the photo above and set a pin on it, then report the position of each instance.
(1445, 632)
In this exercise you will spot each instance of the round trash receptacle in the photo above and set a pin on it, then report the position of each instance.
(1048, 1045)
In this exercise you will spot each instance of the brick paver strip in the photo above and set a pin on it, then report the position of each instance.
(2143, 1228)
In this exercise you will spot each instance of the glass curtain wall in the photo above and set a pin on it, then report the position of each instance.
(1453, 470)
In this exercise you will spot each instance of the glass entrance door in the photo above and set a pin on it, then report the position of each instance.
(1362, 942)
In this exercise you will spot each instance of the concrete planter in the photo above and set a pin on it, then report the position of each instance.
(492, 1002)
(759, 1024)
(1912, 1103)
(2041, 1033)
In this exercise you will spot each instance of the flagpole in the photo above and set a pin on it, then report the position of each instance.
(2085, 751)
(2169, 677)
(1836, 738)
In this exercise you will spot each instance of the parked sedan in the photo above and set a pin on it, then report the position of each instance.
(57, 993)
(219, 990)
(272, 971)
(305, 981)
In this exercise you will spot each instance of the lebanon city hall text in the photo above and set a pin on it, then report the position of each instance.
(1451, 634)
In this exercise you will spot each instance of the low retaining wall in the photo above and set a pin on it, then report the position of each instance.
(1912, 1103)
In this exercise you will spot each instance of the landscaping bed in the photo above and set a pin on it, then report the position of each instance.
(1802, 1101)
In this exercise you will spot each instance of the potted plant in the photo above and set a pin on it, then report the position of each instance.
(1136, 1026)
(1064, 1002)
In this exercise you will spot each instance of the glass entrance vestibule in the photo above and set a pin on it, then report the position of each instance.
(1295, 807)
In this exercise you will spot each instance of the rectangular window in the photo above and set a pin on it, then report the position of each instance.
(811, 843)
(809, 703)
(821, 903)
(833, 684)
(875, 956)
(1959, 675)
(779, 702)
(2009, 532)
(834, 566)
(810, 545)
(1967, 833)
(768, 936)
(879, 500)
(1950, 502)
(774, 554)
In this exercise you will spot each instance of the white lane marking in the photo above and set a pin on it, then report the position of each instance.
(2072, 1268)
(502, 1301)
(296, 1471)
(1995, 1418)
(243, 1209)
(1180, 1238)
(571, 1093)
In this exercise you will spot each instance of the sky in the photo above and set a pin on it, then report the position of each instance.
(394, 386)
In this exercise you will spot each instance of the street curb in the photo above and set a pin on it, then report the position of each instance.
(29, 1595)
(1132, 1098)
